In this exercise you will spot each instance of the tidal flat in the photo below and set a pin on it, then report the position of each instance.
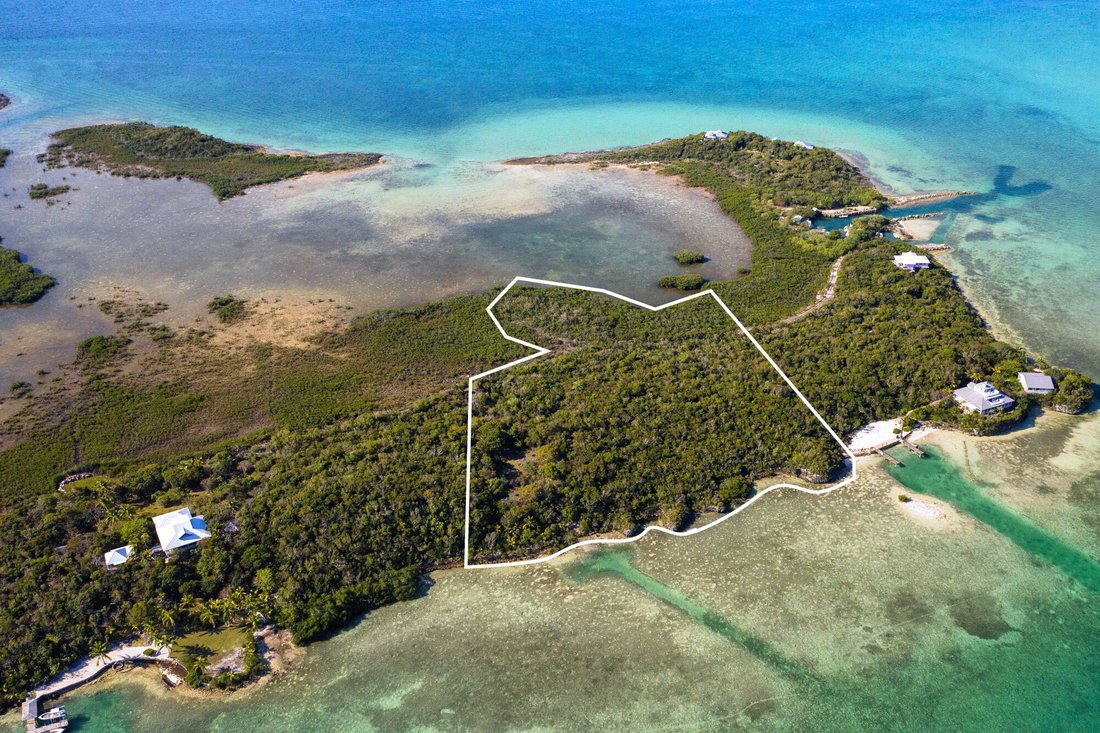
(1045, 470)
(826, 613)
(399, 235)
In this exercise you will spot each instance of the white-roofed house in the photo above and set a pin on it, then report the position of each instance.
(982, 398)
(179, 529)
(1036, 382)
(912, 261)
(715, 135)
(117, 556)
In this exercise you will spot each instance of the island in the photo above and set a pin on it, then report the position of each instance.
(681, 282)
(45, 191)
(143, 150)
(19, 283)
(689, 257)
(328, 480)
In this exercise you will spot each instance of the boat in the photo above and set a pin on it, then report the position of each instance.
(57, 713)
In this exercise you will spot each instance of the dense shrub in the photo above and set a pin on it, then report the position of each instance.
(98, 351)
(1074, 392)
(227, 308)
(689, 257)
(342, 467)
(43, 191)
(147, 151)
(19, 283)
(682, 282)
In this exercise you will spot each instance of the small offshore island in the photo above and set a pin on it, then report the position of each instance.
(326, 481)
(19, 283)
(142, 150)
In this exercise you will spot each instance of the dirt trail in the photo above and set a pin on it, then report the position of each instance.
(823, 298)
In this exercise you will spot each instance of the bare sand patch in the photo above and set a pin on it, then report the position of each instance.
(292, 324)
(920, 230)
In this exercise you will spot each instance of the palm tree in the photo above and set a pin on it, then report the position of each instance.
(167, 618)
(207, 616)
(152, 632)
(99, 650)
(159, 638)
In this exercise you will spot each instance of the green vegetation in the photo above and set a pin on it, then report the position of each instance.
(342, 466)
(682, 282)
(760, 183)
(689, 257)
(629, 424)
(948, 413)
(19, 283)
(888, 342)
(780, 172)
(199, 668)
(147, 151)
(208, 644)
(1074, 392)
(43, 191)
(865, 229)
(99, 351)
(227, 308)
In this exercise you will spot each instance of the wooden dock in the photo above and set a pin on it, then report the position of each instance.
(31, 722)
(49, 727)
(915, 449)
(887, 456)
(85, 670)
(30, 714)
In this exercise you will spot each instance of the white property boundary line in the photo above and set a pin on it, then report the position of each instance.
(541, 351)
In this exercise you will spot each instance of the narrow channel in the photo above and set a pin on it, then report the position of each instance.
(934, 475)
(618, 563)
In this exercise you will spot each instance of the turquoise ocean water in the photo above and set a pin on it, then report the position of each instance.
(997, 97)
(933, 95)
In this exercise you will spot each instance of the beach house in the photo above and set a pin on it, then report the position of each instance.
(982, 398)
(1036, 382)
(117, 556)
(715, 135)
(178, 529)
(911, 261)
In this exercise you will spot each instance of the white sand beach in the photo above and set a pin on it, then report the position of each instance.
(874, 435)
(919, 230)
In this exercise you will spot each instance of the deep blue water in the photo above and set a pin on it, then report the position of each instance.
(997, 97)
(934, 94)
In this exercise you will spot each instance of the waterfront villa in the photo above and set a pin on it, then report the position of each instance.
(117, 556)
(982, 398)
(179, 529)
(801, 144)
(1036, 382)
(911, 261)
(715, 135)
